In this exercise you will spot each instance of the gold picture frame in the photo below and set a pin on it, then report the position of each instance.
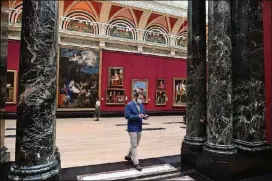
(99, 52)
(160, 84)
(161, 101)
(141, 86)
(115, 96)
(116, 73)
(11, 87)
(179, 91)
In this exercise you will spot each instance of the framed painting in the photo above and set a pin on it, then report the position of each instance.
(78, 79)
(11, 86)
(161, 96)
(179, 92)
(140, 86)
(160, 83)
(116, 76)
(115, 96)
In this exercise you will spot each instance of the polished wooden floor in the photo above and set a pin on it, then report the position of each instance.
(83, 141)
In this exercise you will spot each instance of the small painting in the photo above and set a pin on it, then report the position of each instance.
(179, 92)
(140, 86)
(115, 96)
(116, 76)
(11, 86)
(160, 83)
(161, 96)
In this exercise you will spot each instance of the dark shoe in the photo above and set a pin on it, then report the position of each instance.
(127, 158)
(138, 167)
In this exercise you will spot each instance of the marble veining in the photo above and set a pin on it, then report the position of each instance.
(37, 83)
(219, 115)
(3, 51)
(196, 110)
(248, 71)
(35, 129)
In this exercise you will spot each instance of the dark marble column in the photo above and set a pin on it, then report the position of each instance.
(4, 15)
(219, 110)
(248, 75)
(4, 52)
(196, 109)
(35, 157)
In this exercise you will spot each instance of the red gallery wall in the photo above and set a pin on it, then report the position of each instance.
(13, 64)
(138, 66)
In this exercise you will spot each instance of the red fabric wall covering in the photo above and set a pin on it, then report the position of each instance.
(13, 64)
(138, 66)
(267, 18)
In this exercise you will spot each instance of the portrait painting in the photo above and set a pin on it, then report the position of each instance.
(116, 76)
(179, 92)
(11, 86)
(78, 78)
(115, 96)
(140, 86)
(160, 84)
(161, 96)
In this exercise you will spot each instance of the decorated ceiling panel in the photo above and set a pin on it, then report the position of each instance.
(115, 20)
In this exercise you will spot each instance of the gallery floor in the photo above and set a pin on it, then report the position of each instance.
(84, 141)
(92, 150)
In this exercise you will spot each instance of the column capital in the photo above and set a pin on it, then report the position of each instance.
(102, 44)
(140, 48)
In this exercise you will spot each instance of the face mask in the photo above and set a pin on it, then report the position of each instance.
(139, 101)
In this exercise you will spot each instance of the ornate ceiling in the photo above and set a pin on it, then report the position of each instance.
(157, 22)
(107, 12)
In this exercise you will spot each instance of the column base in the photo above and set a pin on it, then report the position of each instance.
(46, 172)
(252, 146)
(214, 149)
(190, 146)
(194, 142)
(226, 167)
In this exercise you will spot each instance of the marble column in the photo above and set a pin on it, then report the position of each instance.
(196, 109)
(248, 75)
(35, 154)
(4, 15)
(219, 95)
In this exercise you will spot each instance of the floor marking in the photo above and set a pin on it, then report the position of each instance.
(122, 174)
(184, 178)
(178, 175)
(160, 177)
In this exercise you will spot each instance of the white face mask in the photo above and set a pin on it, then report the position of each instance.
(139, 101)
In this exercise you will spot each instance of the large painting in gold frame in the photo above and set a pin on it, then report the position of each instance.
(79, 78)
(116, 76)
(179, 91)
(140, 86)
(11, 86)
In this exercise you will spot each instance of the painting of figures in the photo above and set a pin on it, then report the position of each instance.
(115, 96)
(116, 76)
(160, 84)
(161, 97)
(179, 92)
(78, 78)
(140, 86)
